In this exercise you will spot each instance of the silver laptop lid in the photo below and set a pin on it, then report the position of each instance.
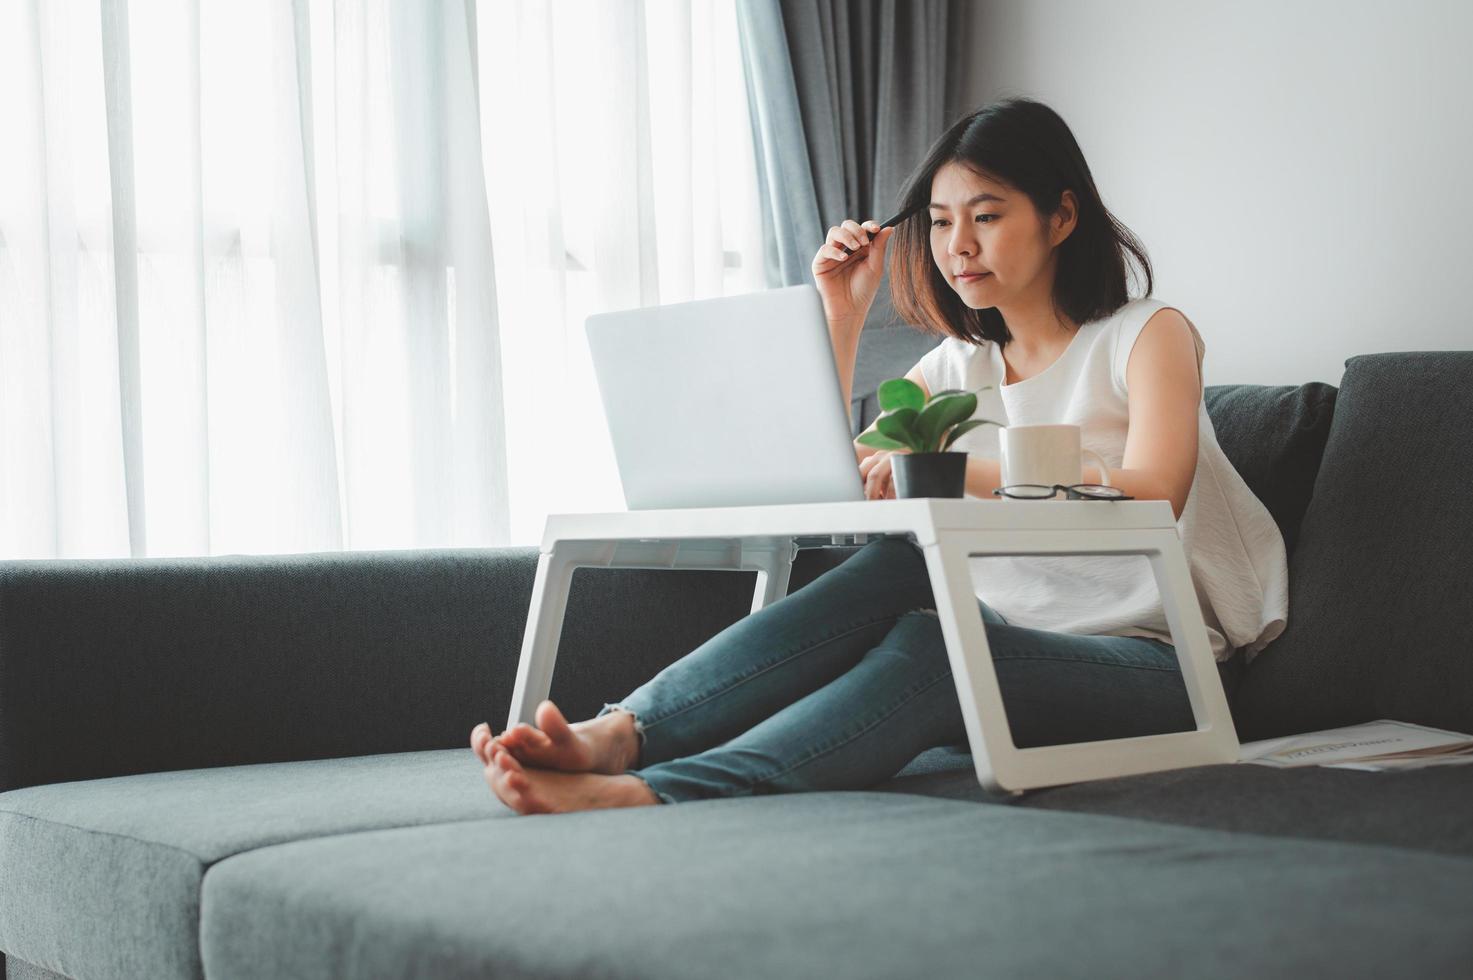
(725, 402)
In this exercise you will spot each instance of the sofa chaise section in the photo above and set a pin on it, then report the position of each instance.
(856, 884)
(159, 715)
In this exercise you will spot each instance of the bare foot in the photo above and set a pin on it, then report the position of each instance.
(481, 742)
(547, 791)
(607, 745)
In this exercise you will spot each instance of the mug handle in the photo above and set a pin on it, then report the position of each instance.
(1099, 461)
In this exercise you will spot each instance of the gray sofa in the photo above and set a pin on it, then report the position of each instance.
(257, 766)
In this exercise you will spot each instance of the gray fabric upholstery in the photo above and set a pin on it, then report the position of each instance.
(830, 884)
(102, 877)
(316, 656)
(111, 869)
(1425, 810)
(13, 969)
(95, 904)
(1275, 437)
(313, 655)
(1379, 600)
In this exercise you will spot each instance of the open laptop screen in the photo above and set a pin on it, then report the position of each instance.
(725, 402)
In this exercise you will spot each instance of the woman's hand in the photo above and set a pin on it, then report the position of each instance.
(848, 282)
(879, 482)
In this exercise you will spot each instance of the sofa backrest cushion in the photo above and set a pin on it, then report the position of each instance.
(1379, 611)
(111, 667)
(1274, 435)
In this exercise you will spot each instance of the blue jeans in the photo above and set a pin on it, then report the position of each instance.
(841, 684)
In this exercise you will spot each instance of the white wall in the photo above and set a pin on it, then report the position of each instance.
(1301, 173)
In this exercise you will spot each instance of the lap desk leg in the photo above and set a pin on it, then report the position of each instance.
(999, 763)
(1002, 765)
(770, 557)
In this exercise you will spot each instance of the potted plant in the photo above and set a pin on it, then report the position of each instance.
(926, 428)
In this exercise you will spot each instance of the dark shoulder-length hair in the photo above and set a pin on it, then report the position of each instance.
(1026, 146)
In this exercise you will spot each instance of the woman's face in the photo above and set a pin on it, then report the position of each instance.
(979, 226)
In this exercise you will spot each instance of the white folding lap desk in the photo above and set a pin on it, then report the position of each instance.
(948, 531)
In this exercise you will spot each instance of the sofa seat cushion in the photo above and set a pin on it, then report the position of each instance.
(1423, 809)
(103, 876)
(857, 884)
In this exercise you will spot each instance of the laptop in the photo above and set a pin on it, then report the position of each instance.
(725, 402)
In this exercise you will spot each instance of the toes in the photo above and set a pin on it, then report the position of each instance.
(517, 735)
(524, 739)
(479, 742)
(503, 790)
(513, 788)
(508, 762)
(552, 722)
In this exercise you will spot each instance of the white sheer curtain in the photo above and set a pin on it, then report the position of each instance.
(621, 172)
(249, 300)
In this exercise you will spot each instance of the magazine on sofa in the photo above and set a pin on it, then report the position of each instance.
(1376, 746)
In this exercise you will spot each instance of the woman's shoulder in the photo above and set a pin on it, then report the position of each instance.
(1135, 312)
(1129, 323)
(1120, 329)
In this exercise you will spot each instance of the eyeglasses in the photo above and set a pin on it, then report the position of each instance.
(1079, 491)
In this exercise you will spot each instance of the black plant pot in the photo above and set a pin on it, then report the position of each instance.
(930, 474)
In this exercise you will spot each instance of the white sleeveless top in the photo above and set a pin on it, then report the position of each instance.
(1233, 547)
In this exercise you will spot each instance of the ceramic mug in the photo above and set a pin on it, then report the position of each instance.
(1045, 454)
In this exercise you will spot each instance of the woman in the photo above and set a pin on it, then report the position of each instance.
(1012, 257)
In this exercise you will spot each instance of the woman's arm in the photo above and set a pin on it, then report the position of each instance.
(1163, 379)
(845, 340)
(984, 475)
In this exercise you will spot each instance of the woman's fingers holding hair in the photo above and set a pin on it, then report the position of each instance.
(843, 239)
(849, 236)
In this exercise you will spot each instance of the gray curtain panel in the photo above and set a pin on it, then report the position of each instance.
(846, 96)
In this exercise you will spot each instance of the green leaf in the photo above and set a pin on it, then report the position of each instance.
(878, 441)
(941, 414)
(898, 393)
(963, 429)
(900, 426)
